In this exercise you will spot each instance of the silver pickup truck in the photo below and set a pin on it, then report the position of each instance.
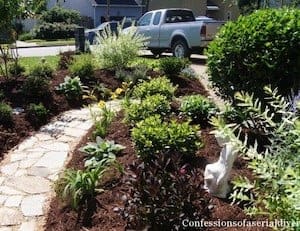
(175, 30)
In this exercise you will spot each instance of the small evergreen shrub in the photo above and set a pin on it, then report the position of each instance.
(15, 69)
(37, 114)
(159, 85)
(54, 30)
(152, 136)
(198, 107)
(116, 51)
(156, 104)
(257, 50)
(35, 87)
(82, 67)
(72, 88)
(43, 70)
(172, 66)
(26, 36)
(5, 113)
(65, 59)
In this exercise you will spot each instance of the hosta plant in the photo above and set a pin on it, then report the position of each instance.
(276, 189)
(72, 88)
(160, 85)
(102, 150)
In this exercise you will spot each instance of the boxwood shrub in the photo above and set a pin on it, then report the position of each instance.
(155, 104)
(152, 136)
(160, 85)
(257, 50)
(5, 113)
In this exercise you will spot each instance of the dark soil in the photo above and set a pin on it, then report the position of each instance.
(104, 218)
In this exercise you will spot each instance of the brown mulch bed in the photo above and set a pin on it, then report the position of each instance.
(107, 216)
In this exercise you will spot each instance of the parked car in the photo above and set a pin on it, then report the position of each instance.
(90, 34)
(174, 29)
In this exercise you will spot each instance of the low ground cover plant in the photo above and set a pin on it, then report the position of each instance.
(35, 88)
(154, 104)
(42, 70)
(198, 108)
(16, 69)
(160, 85)
(153, 135)
(257, 50)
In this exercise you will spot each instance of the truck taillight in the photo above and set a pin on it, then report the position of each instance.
(203, 31)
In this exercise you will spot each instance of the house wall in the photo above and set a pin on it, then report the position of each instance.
(198, 6)
(120, 11)
(83, 6)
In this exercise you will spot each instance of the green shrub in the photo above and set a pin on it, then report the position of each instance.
(72, 88)
(117, 51)
(172, 66)
(152, 136)
(54, 30)
(257, 50)
(37, 114)
(35, 87)
(79, 187)
(15, 69)
(43, 70)
(26, 36)
(159, 85)
(102, 151)
(60, 14)
(5, 113)
(82, 67)
(65, 59)
(198, 107)
(155, 104)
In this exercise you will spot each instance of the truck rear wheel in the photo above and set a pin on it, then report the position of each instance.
(180, 49)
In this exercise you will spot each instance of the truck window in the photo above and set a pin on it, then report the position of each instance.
(173, 16)
(145, 20)
(156, 19)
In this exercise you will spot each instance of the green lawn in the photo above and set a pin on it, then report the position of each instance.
(59, 42)
(29, 62)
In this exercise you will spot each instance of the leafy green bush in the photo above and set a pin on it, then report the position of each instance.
(35, 87)
(71, 87)
(103, 150)
(54, 30)
(43, 70)
(155, 104)
(198, 107)
(26, 36)
(172, 66)
(257, 50)
(5, 113)
(79, 187)
(152, 136)
(159, 85)
(276, 189)
(37, 114)
(82, 67)
(60, 14)
(163, 192)
(117, 51)
(15, 69)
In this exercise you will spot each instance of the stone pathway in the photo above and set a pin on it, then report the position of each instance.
(29, 170)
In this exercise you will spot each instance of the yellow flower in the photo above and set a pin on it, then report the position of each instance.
(118, 91)
(101, 104)
(114, 96)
